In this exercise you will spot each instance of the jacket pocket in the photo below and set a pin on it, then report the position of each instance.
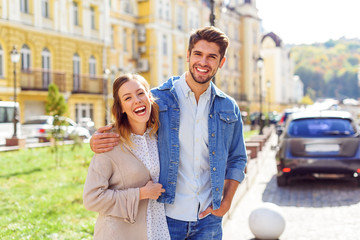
(228, 117)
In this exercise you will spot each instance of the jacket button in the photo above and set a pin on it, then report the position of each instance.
(217, 189)
(210, 115)
(213, 153)
(214, 169)
(213, 135)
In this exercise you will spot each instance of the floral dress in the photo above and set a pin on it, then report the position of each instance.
(145, 148)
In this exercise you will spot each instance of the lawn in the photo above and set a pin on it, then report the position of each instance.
(39, 200)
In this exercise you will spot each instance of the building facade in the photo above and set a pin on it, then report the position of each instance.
(82, 45)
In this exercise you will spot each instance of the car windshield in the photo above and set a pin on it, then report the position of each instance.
(321, 127)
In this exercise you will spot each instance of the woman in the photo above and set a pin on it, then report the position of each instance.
(122, 184)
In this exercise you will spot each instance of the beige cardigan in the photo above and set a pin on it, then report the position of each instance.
(112, 189)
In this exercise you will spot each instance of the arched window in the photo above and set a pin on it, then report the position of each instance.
(46, 65)
(25, 58)
(76, 72)
(1, 62)
(92, 66)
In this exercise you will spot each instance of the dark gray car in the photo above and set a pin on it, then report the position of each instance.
(319, 144)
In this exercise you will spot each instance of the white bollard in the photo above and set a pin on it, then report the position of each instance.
(267, 221)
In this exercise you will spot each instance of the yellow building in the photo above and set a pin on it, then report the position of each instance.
(82, 45)
(60, 42)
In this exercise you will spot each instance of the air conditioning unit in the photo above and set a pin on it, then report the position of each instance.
(142, 49)
(143, 65)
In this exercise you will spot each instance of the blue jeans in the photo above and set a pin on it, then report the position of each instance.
(208, 228)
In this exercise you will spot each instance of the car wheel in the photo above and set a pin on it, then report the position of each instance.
(282, 181)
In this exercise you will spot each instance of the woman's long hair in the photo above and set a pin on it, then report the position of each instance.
(122, 124)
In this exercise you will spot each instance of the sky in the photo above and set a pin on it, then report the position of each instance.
(310, 21)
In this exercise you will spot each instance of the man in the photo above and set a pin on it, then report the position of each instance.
(200, 140)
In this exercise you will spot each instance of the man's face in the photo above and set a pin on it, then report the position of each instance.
(204, 61)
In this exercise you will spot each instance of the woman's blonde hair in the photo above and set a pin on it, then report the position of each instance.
(122, 124)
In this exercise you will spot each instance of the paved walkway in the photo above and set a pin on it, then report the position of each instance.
(235, 223)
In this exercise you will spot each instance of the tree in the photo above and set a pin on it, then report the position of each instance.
(56, 107)
(306, 100)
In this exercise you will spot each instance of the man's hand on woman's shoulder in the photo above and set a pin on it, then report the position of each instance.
(103, 140)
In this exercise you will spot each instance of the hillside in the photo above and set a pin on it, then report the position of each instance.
(330, 69)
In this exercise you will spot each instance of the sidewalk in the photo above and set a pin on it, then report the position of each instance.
(249, 194)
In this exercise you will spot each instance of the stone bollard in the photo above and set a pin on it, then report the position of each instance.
(267, 221)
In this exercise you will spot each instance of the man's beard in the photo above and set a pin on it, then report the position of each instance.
(201, 82)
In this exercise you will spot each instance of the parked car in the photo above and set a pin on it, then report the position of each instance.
(319, 144)
(40, 126)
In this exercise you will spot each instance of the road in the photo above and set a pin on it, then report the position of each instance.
(313, 209)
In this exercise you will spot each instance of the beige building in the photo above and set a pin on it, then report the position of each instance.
(282, 88)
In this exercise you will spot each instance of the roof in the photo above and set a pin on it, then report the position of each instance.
(275, 37)
(321, 114)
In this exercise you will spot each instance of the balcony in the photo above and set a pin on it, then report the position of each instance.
(88, 84)
(39, 80)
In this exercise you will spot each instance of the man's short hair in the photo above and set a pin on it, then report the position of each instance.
(210, 34)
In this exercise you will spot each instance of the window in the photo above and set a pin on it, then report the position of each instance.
(45, 8)
(45, 64)
(76, 72)
(92, 17)
(24, 6)
(160, 9)
(167, 11)
(112, 35)
(180, 66)
(124, 41)
(321, 127)
(84, 110)
(76, 13)
(92, 66)
(1, 62)
(133, 49)
(164, 45)
(180, 17)
(25, 58)
(127, 6)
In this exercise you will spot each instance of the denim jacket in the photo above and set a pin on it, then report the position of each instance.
(227, 153)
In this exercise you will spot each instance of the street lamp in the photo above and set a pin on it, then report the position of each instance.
(15, 57)
(268, 85)
(260, 64)
(212, 15)
(106, 78)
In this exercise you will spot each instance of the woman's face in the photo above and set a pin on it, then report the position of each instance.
(135, 102)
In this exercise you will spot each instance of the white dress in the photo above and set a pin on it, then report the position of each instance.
(145, 148)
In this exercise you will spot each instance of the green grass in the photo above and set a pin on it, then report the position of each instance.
(39, 200)
(248, 134)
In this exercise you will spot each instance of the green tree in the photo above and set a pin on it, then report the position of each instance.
(306, 100)
(56, 107)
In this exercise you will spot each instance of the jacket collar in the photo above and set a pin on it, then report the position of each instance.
(169, 84)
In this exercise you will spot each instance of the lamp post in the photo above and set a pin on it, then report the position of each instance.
(15, 57)
(268, 85)
(260, 64)
(212, 15)
(106, 78)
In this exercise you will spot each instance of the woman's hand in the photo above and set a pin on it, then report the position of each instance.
(151, 191)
